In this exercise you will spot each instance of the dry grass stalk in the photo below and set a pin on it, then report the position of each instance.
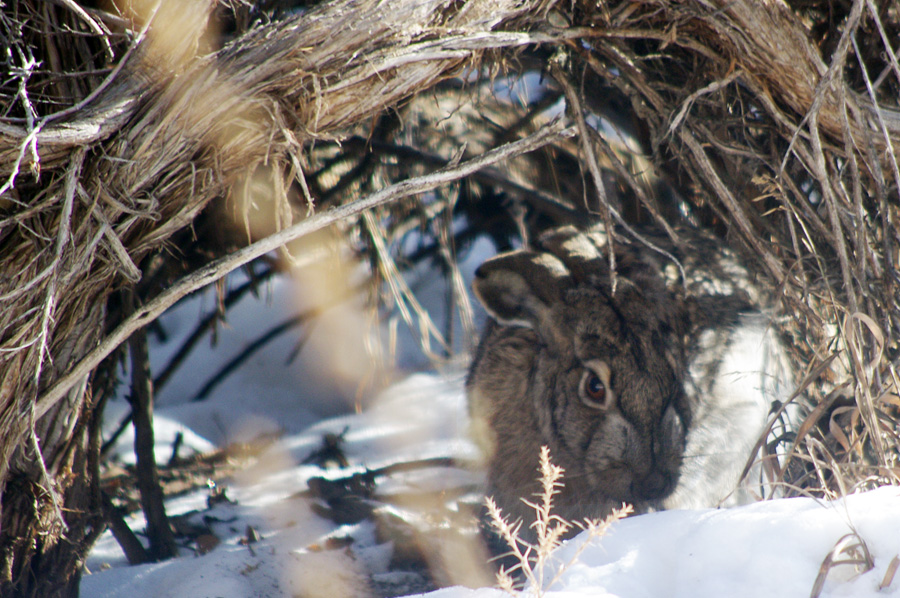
(849, 550)
(534, 559)
(889, 573)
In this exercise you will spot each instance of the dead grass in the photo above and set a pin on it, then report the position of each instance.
(534, 561)
(850, 550)
(125, 141)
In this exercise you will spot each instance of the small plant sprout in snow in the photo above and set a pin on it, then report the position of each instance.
(550, 529)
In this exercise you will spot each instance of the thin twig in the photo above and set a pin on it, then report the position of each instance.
(576, 112)
(539, 199)
(235, 362)
(62, 240)
(200, 330)
(32, 136)
(404, 298)
(93, 25)
(775, 267)
(689, 101)
(879, 113)
(834, 69)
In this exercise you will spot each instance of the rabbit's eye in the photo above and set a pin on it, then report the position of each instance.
(593, 389)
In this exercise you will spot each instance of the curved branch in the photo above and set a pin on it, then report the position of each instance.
(219, 268)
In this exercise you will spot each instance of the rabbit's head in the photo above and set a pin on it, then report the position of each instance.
(595, 374)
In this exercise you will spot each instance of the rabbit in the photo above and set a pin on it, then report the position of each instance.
(653, 393)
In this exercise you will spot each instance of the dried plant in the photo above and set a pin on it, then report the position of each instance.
(535, 560)
(124, 135)
(850, 550)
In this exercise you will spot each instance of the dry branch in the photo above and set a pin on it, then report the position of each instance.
(218, 269)
(166, 132)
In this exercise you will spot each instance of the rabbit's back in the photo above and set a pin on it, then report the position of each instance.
(650, 387)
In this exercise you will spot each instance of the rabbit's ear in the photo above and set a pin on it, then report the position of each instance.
(521, 286)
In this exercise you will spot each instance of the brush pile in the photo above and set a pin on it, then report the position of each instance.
(144, 140)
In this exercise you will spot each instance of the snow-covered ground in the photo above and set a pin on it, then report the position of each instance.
(275, 541)
(766, 549)
(420, 418)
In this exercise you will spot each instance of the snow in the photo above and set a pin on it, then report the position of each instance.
(771, 549)
(419, 418)
(268, 393)
(765, 549)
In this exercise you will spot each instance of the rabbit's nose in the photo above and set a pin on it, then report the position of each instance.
(652, 486)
